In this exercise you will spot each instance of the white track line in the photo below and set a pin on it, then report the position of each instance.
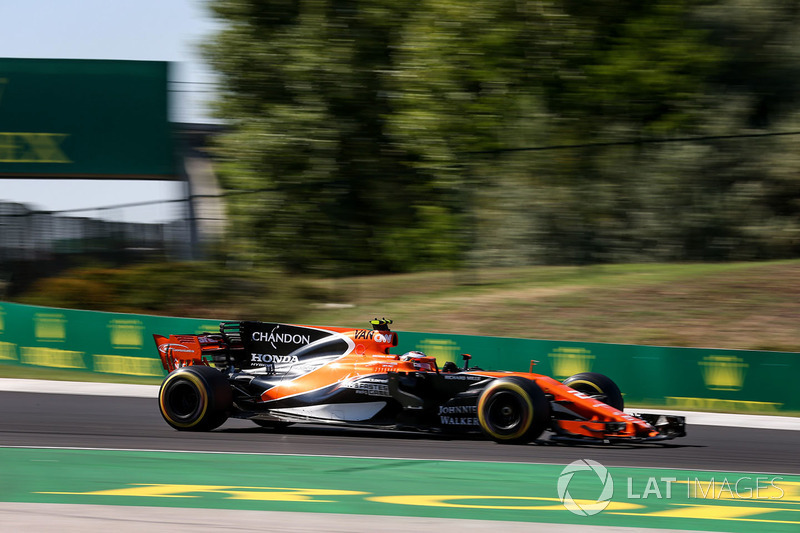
(83, 388)
(151, 391)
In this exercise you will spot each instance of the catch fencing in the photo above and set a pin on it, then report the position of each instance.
(27, 235)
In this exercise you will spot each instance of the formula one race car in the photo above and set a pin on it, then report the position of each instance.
(280, 374)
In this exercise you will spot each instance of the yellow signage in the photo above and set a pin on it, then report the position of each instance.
(126, 333)
(8, 351)
(717, 404)
(442, 349)
(32, 148)
(50, 326)
(723, 372)
(123, 364)
(26, 147)
(568, 361)
(52, 357)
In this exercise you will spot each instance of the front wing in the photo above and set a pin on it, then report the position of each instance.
(667, 427)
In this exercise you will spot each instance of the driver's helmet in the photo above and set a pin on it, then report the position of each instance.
(408, 356)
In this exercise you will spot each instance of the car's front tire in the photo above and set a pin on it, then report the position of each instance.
(195, 398)
(597, 386)
(513, 410)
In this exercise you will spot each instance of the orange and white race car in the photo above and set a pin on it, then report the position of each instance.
(281, 374)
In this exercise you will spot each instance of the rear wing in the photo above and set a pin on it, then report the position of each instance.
(177, 351)
(272, 348)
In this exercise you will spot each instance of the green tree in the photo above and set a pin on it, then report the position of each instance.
(476, 78)
(307, 95)
(385, 136)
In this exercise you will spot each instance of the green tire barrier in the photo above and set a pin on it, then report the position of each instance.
(676, 378)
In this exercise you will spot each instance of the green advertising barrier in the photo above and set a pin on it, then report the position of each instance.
(676, 378)
(106, 343)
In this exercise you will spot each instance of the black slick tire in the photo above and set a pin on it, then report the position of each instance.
(513, 410)
(195, 398)
(597, 386)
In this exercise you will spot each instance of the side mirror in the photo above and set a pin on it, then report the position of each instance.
(466, 357)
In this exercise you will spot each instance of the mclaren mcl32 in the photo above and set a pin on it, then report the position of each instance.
(282, 374)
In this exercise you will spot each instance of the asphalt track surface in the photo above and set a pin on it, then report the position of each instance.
(66, 420)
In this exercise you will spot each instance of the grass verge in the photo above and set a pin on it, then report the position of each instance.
(750, 306)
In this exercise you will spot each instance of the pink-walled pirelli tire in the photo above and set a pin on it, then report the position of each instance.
(195, 398)
(513, 410)
(597, 386)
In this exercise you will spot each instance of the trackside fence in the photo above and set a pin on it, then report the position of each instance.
(677, 378)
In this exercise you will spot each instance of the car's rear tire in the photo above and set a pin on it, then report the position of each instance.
(597, 386)
(513, 410)
(195, 398)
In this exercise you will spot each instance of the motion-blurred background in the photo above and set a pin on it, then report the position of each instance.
(620, 171)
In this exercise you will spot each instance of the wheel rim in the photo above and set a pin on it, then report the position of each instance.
(183, 400)
(505, 411)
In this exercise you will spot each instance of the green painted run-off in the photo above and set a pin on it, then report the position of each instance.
(423, 488)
